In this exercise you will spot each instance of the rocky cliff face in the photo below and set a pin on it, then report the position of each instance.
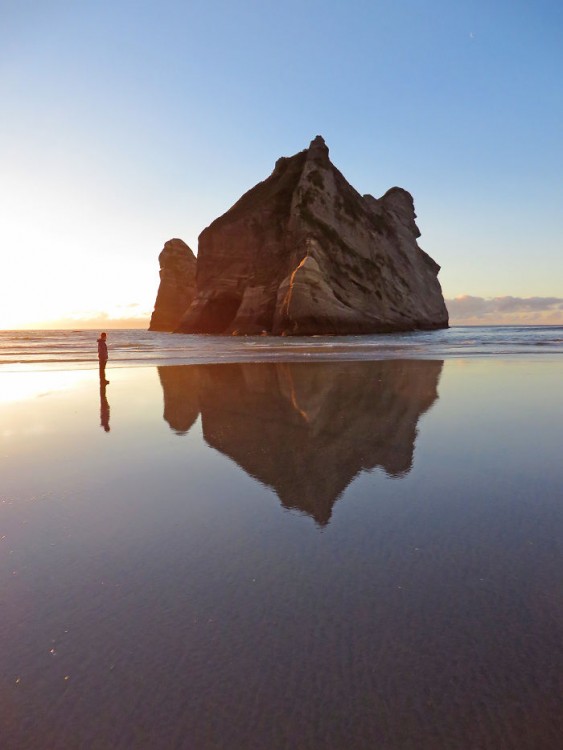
(177, 285)
(305, 430)
(304, 253)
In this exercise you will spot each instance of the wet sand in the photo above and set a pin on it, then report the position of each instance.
(358, 555)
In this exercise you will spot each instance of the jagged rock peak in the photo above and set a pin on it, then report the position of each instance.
(318, 148)
(400, 203)
(317, 151)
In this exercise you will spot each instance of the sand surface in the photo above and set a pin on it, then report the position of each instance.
(359, 555)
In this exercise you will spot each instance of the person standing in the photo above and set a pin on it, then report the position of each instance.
(103, 357)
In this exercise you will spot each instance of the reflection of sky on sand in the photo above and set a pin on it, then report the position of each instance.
(21, 386)
(180, 597)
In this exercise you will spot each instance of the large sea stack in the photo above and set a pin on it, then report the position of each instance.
(177, 285)
(304, 253)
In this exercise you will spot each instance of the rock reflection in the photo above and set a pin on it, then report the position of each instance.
(181, 397)
(306, 429)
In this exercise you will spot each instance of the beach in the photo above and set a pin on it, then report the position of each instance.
(312, 549)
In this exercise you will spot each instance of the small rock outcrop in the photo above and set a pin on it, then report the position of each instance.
(177, 285)
(304, 253)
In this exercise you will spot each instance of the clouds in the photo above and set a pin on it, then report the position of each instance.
(469, 310)
(97, 322)
(130, 315)
(464, 310)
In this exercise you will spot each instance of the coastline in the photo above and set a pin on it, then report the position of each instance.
(131, 347)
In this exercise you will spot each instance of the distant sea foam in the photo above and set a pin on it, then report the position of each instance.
(77, 349)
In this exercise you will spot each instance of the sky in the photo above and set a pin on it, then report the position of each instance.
(124, 124)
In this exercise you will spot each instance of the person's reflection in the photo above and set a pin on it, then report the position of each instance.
(104, 406)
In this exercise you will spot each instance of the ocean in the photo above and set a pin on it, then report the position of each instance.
(133, 347)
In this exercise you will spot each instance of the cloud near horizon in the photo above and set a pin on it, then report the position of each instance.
(464, 310)
(124, 317)
(469, 310)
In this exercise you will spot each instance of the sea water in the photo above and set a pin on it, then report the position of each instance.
(19, 349)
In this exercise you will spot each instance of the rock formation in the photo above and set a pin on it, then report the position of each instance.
(177, 285)
(304, 253)
(305, 429)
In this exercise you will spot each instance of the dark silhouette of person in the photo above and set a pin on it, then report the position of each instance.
(103, 357)
(104, 406)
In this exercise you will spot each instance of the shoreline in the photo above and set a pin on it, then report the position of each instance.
(57, 350)
(304, 358)
(200, 537)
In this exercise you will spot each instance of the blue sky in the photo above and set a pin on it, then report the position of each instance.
(123, 124)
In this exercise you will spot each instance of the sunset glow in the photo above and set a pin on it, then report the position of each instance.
(109, 148)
